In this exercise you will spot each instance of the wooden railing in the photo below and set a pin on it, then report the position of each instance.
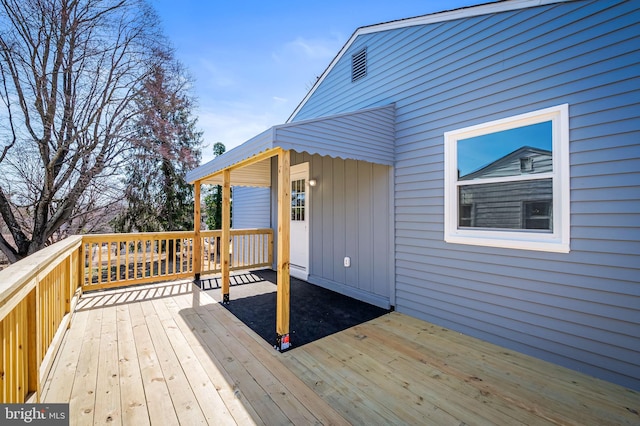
(114, 260)
(38, 294)
(249, 248)
(37, 298)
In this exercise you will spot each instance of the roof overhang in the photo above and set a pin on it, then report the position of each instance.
(367, 135)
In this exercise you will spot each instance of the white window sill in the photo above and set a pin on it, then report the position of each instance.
(511, 241)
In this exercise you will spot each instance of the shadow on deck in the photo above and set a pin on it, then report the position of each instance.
(315, 312)
(170, 354)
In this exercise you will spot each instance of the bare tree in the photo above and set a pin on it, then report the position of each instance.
(69, 74)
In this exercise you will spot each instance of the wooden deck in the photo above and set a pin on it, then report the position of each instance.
(169, 354)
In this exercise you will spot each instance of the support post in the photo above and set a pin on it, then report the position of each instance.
(284, 218)
(197, 246)
(226, 233)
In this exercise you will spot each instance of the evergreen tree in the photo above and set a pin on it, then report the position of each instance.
(213, 199)
(168, 145)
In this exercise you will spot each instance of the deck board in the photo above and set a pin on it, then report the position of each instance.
(210, 402)
(158, 399)
(169, 354)
(107, 404)
(246, 388)
(545, 389)
(132, 401)
(66, 363)
(83, 392)
(178, 385)
(221, 380)
(437, 370)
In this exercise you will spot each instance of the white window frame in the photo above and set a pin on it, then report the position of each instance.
(556, 241)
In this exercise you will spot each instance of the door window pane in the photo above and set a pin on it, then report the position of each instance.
(298, 199)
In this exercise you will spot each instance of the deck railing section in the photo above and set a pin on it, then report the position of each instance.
(249, 248)
(114, 260)
(37, 298)
(38, 294)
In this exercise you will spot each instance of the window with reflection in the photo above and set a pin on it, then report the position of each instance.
(507, 182)
(501, 172)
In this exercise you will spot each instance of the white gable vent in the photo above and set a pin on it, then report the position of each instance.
(359, 65)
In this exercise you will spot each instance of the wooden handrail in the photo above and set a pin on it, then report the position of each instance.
(37, 298)
(38, 294)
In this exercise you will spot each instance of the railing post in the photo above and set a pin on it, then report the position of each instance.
(226, 233)
(83, 264)
(197, 247)
(270, 249)
(67, 286)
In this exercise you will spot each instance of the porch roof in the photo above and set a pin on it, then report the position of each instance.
(367, 135)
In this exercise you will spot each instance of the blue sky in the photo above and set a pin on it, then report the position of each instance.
(253, 61)
(480, 151)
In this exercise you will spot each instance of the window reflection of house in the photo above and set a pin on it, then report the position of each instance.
(513, 205)
(521, 204)
(526, 159)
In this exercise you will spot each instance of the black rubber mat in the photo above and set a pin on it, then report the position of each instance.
(315, 312)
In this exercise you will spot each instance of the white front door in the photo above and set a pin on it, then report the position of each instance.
(299, 256)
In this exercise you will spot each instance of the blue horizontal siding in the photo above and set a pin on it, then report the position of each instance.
(368, 135)
(580, 309)
(251, 207)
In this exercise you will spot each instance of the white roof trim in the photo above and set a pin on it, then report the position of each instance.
(450, 15)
